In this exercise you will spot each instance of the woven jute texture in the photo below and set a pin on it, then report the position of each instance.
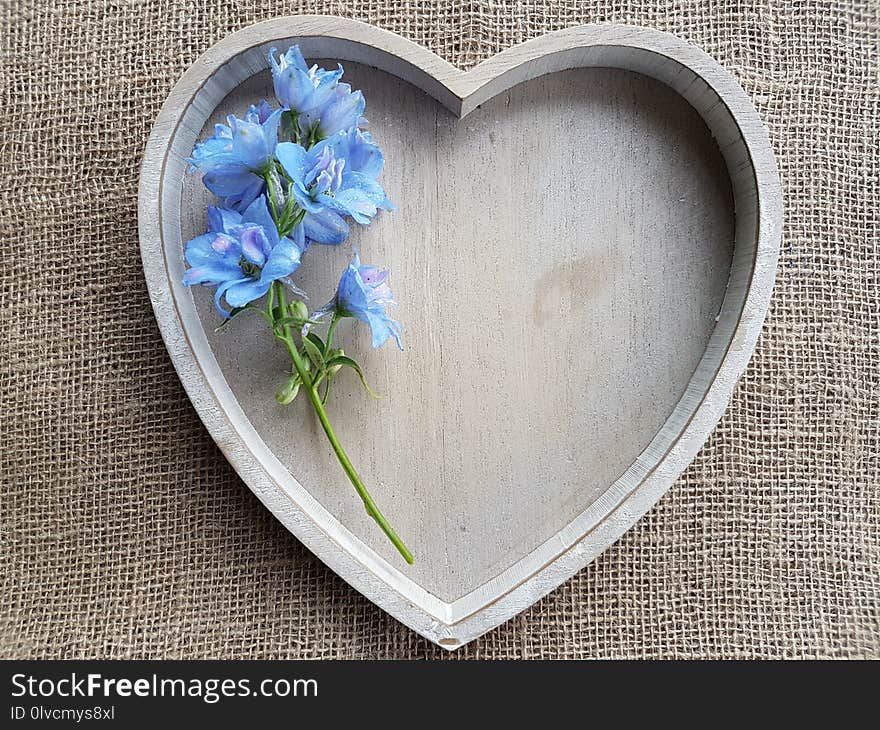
(124, 531)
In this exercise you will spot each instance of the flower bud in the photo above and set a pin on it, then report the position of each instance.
(288, 392)
(299, 310)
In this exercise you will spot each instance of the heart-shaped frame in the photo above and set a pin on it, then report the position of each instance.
(744, 144)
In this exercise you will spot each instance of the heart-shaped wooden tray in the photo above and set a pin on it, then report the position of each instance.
(583, 252)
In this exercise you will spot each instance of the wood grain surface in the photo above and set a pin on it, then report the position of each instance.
(559, 257)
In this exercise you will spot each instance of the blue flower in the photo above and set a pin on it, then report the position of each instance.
(237, 156)
(242, 254)
(298, 87)
(336, 177)
(343, 112)
(258, 113)
(322, 105)
(363, 293)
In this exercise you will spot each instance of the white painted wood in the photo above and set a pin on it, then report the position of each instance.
(577, 209)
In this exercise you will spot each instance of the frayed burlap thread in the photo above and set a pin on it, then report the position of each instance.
(126, 534)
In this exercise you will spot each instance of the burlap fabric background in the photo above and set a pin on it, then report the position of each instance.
(125, 533)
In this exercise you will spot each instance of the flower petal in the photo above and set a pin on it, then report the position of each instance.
(293, 159)
(292, 57)
(222, 220)
(293, 87)
(249, 144)
(325, 226)
(212, 248)
(351, 294)
(382, 327)
(212, 273)
(254, 243)
(243, 292)
(298, 236)
(270, 130)
(238, 187)
(283, 261)
(323, 92)
(360, 196)
(357, 205)
(259, 113)
(258, 213)
(343, 112)
(222, 289)
(214, 152)
(362, 154)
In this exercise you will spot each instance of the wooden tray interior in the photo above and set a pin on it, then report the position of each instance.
(559, 257)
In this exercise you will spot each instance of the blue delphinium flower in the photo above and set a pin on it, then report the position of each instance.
(238, 155)
(276, 199)
(258, 113)
(336, 177)
(298, 87)
(242, 254)
(363, 293)
(322, 105)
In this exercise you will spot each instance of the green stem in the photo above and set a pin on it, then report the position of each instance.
(273, 196)
(359, 486)
(332, 328)
(345, 462)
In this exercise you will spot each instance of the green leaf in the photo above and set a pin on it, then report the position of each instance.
(347, 362)
(315, 354)
(318, 342)
(326, 389)
(331, 354)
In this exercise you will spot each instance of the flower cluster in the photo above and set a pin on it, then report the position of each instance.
(287, 178)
